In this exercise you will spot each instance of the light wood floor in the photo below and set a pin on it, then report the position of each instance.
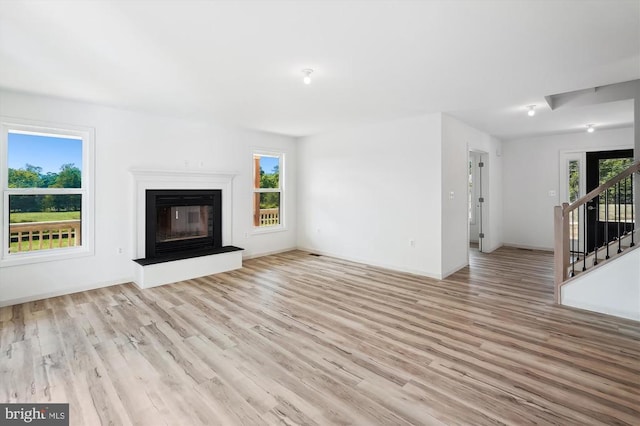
(299, 339)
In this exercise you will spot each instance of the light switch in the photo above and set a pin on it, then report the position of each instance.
(552, 193)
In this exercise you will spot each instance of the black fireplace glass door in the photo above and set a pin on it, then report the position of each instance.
(179, 223)
(182, 220)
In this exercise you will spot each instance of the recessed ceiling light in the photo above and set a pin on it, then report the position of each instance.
(532, 110)
(307, 75)
(590, 128)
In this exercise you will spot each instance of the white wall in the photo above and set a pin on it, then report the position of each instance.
(126, 140)
(531, 170)
(457, 139)
(613, 288)
(455, 183)
(365, 192)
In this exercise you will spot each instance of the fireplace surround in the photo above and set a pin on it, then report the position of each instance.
(195, 261)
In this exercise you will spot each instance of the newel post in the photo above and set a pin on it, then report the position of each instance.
(561, 247)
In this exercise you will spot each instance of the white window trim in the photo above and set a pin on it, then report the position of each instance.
(281, 161)
(87, 135)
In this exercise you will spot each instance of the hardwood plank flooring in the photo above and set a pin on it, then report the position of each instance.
(301, 339)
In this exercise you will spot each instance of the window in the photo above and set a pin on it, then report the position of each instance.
(268, 185)
(47, 201)
(573, 185)
(618, 199)
(574, 180)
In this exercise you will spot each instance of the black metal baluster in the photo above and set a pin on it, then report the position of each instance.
(606, 221)
(618, 217)
(633, 222)
(578, 232)
(595, 231)
(624, 231)
(573, 244)
(584, 227)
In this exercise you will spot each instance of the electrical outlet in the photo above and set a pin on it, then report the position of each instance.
(412, 243)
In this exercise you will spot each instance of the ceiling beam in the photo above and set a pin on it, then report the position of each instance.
(596, 95)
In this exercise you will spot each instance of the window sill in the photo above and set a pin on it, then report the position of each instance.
(19, 259)
(269, 229)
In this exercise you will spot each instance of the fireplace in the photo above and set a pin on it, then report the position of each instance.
(182, 221)
(187, 251)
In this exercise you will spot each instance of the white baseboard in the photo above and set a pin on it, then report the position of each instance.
(63, 292)
(526, 247)
(607, 310)
(266, 253)
(376, 264)
(491, 249)
(454, 270)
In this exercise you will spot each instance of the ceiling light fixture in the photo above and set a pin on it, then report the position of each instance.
(307, 75)
(532, 110)
(590, 128)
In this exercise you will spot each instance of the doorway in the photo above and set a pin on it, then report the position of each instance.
(476, 199)
(607, 212)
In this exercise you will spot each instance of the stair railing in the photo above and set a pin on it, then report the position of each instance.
(619, 200)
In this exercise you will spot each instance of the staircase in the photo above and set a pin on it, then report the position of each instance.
(615, 204)
(580, 263)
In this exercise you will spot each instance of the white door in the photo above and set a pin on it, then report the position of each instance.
(474, 205)
(477, 196)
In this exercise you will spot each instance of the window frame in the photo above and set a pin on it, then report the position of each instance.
(86, 191)
(281, 190)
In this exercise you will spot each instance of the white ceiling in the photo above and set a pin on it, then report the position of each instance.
(240, 62)
(512, 122)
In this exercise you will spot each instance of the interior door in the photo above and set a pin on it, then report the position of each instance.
(476, 199)
(474, 205)
(605, 212)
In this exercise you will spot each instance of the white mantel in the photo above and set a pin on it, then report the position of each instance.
(164, 273)
(180, 179)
